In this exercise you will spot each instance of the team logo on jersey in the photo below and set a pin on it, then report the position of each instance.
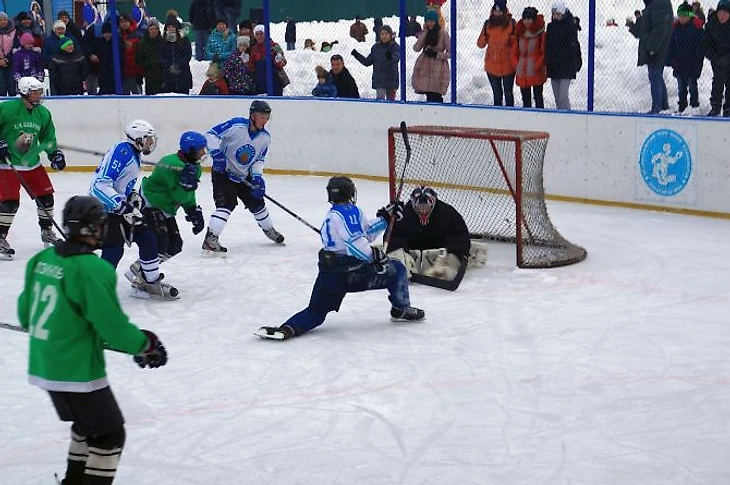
(24, 142)
(665, 162)
(245, 154)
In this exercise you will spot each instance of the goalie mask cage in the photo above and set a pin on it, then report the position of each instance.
(494, 178)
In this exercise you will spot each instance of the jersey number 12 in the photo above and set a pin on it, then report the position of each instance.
(48, 296)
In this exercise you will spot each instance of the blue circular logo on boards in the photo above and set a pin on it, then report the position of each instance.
(245, 154)
(665, 162)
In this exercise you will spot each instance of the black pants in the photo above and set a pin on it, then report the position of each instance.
(527, 98)
(434, 98)
(503, 86)
(720, 88)
(227, 193)
(169, 241)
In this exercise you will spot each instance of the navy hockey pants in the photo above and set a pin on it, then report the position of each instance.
(330, 289)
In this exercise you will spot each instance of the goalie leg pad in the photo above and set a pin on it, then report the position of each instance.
(406, 258)
(429, 258)
(444, 267)
(478, 253)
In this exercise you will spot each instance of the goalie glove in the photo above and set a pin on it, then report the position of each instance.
(380, 260)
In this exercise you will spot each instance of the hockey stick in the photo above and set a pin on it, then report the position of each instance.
(101, 154)
(391, 222)
(283, 207)
(18, 328)
(32, 195)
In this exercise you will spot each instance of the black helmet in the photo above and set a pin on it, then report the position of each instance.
(258, 106)
(82, 216)
(423, 200)
(341, 189)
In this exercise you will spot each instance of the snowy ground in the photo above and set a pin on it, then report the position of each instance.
(610, 371)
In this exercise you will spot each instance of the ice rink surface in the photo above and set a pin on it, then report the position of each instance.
(614, 370)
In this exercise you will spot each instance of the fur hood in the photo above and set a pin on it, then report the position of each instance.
(537, 27)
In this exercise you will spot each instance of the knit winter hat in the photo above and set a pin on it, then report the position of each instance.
(431, 15)
(529, 13)
(172, 22)
(27, 38)
(723, 5)
(559, 7)
(24, 16)
(3, 15)
(500, 5)
(58, 24)
(106, 28)
(685, 10)
(259, 28)
(321, 72)
(64, 42)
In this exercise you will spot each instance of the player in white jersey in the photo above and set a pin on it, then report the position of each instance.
(348, 264)
(238, 148)
(113, 184)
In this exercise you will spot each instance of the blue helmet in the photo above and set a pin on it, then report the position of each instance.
(192, 141)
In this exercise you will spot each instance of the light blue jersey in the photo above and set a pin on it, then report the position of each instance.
(347, 231)
(116, 175)
(237, 151)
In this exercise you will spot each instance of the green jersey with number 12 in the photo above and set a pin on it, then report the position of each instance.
(70, 308)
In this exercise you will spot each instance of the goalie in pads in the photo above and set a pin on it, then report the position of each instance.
(432, 240)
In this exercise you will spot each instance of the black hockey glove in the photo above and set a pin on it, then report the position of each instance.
(58, 160)
(189, 177)
(380, 260)
(430, 53)
(392, 210)
(259, 186)
(154, 354)
(195, 216)
(4, 151)
(131, 215)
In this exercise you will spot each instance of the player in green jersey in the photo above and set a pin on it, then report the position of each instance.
(171, 185)
(69, 307)
(26, 129)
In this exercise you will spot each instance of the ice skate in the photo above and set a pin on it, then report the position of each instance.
(212, 246)
(6, 252)
(407, 314)
(275, 333)
(134, 273)
(48, 237)
(144, 289)
(274, 235)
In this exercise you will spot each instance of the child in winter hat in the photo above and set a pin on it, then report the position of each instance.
(500, 5)
(559, 7)
(723, 5)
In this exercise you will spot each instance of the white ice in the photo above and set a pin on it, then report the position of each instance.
(614, 370)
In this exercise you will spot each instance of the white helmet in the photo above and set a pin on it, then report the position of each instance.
(142, 134)
(28, 84)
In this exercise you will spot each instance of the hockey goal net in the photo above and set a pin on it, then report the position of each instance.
(494, 178)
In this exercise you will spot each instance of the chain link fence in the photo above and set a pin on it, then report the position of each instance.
(301, 39)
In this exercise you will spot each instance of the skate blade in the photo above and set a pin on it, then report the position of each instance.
(137, 293)
(131, 277)
(405, 320)
(214, 254)
(6, 257)
(265, 335)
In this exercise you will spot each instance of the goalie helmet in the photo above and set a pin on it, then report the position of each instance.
(83, 216)
(341, 190)
(423, 200)
(142, 135)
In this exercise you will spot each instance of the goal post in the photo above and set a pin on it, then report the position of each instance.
(494, 178)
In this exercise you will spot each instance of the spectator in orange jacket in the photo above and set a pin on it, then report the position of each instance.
(528, 56)
(498, 36)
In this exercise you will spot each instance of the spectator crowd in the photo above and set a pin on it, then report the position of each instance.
(525, 51)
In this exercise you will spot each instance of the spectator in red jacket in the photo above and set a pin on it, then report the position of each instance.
(131, 71)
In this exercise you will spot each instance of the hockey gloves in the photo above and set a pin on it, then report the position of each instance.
(189, 177)
(380, 260)
(58, 160)
(259, 186)
(154, 354)
(4, 152)
(393, 210)
(131, 214)
(195, 216)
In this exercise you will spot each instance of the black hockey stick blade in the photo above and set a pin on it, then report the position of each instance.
(450, 285)
(284, 208)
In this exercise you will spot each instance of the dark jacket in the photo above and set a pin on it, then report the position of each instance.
(446, 229)
(148, 57)
(67, 73)
(290, 35)
(562, 51)
(201, 15)
(654, 31)
(686, 51)
(717, 41)
(175, 63)
(385, 71)
(346, 85)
